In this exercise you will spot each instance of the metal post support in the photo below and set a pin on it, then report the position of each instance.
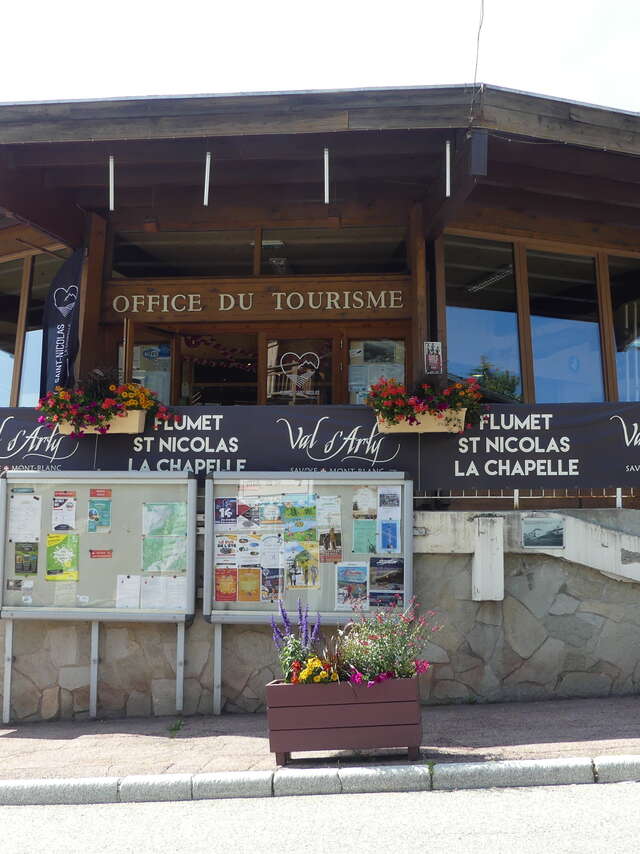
(217, 668)
(8, 666)
(618, 498)
(93, 674)
(180, 633)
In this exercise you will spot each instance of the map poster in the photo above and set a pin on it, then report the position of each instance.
(226, 584)
(164, 554)
(364, 536)
(63, 552)
(99, 516)
(163, 519)
(225, 512)
(26, 559)
(249, 584)
(352, 586)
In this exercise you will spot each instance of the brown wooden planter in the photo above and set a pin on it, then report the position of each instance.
(342, 716)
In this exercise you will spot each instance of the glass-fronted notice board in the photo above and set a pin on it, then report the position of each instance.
(98, 545)
(338, 543)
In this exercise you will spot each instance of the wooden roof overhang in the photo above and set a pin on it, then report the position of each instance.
(512, 151)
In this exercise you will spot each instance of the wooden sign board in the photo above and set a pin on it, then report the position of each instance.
(189, 300)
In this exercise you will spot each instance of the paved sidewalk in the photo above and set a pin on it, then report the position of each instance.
(452, 734)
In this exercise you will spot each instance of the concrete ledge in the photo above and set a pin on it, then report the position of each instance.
(79, 790)
(617, 769)
(526, 772)
(385, 778)
(306, 781)
(155, 787)
(233, 784)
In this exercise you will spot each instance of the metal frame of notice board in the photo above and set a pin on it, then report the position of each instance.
(219, 616)
(21, 482)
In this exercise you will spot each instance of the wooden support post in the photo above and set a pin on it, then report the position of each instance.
(217, 668)
(93, 675)
(607, 334)
(127, 348)
(90, 353)
(524, 323)
(419, 320)
(8, 666)
(21, 326)
(180, 635)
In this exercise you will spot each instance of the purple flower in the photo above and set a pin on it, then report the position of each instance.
(285, 617)
(277, 634)
(356, 678)
(316, 629)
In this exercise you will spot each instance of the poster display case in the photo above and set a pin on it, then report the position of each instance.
(97, 546)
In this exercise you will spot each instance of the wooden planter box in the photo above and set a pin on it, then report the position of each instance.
(342, 716)
(453, 422)
(132, 422)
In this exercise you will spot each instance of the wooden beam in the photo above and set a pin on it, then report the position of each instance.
(607, 333)
(439, 210)
(55, 213)
(524, 323)
(418, 262)
(90, 352)
(441, 297)
(21, 325)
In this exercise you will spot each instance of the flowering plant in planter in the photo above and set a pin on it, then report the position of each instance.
(93, 405)
(392, 403)
(371, 648)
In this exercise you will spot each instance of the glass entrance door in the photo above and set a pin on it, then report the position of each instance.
(299, 371)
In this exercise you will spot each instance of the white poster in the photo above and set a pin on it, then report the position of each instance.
(25, 515)
(63, 514)
(328, 511)
(389, 502)
(128, 591)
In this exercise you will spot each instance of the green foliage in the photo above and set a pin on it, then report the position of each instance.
(492, 379)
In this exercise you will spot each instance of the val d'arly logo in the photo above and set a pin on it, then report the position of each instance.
(631, 434)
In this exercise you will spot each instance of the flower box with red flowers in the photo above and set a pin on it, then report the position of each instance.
(446, 409)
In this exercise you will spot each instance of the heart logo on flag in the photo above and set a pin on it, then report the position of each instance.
(65, 299)
(299, 368)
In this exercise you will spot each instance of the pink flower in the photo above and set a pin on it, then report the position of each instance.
(356, 677)
(421, 665)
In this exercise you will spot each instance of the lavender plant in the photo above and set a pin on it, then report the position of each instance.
(294, 648)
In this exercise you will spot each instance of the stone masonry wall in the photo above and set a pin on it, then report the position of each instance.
(563, 630)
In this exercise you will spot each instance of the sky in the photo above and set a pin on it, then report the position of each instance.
(584, 50)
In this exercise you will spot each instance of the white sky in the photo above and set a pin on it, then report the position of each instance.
(580, 49)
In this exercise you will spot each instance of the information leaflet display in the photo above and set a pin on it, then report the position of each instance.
(336, 543)
(105, 545)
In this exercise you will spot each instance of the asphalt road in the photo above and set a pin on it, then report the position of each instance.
(553, 820)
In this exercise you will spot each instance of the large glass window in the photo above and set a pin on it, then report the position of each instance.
(371, 360)
(164, 254)
(219, 369)
(624, 274)
(299, 371)
(295, 251)
(563, 297)
(482, 325)
(10, 281)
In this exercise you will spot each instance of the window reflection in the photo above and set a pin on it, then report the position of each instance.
(624, 274)
(564, 327)
(482, 326)
(10, 280)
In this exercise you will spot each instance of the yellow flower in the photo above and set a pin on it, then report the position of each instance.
(334, 676)
(112, 388)
(316, 678)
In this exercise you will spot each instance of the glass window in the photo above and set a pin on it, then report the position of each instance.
(295, 251)
(10, 281)
(624, 274)
(482, 325)
(371, 360)
(45, 268)
(299, 371)
(181, 253)
(151, 367)
(219, 369)
(563, 297)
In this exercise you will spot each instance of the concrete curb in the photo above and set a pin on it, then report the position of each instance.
(418, 777)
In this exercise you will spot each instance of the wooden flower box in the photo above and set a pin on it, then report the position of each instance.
(132, 422)
(341, 716)
(453, 422)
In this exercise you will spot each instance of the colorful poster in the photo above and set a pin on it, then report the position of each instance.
(330, 544)
(271, 549)
(25, 514)
(164, 519)
(389, 502)
(63, 513)
(386, 573)
(226, 549)
(270, 585)
(352, 586)
(26, 559)
(365, 503)
(225, 512)
(302, 565)
(329, 511)
(388, 531)
(300, 530)
(248, 514)
(385, 599)
(99, 516)
(298, 506)
(226, 584)
(270, 510)
(249, 584)
(63, 552)
(164, 554)
(364, 536)
(249, 549)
